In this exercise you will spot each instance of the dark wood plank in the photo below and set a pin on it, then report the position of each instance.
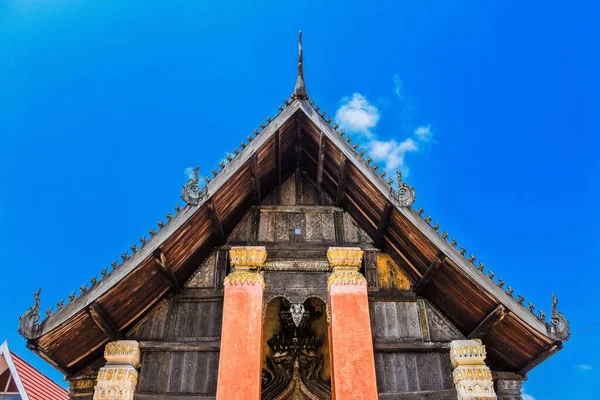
(255, 178)
(428, 275)
(278, 155)
(213, 345)
(220, 268)
(33, 346)
(341, 184)
(383, 224)
(488, 323)
(164, 268)
(103, 322)
(540, 359)
(412, 347)
(215, 221)
(320, 160)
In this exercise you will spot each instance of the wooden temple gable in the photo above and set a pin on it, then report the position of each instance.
(297, 186)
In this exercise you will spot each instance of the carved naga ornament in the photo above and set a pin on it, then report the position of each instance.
(560, 329)
(405, 195)
(191, 192)
(28, 322)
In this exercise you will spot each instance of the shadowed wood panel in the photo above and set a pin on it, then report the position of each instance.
(393, 321)
(513, 344)
(197, 319)
(188, 239)
(421, 256)
(80, 329)
(458, 298)
(440, 329)
(143, 287)
(153, 326)
(413, 372)
(187, 372)
(369, 225)
(417, 239)
(366, 193)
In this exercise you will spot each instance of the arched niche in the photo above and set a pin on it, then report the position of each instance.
(296, 362)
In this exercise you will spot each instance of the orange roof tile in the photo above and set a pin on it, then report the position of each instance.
(37, 385)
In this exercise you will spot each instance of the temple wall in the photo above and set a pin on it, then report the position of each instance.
(180, 339)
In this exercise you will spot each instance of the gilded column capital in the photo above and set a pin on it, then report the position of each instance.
(345, 257)
(123, 352)
(247, 262)
(346, 262)
(248, 257)
(117, 380)
(472, 378)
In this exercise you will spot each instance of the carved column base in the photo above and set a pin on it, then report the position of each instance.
(472, 378)
(508, 385)
(82, 387)
(116, 382)
(118, 378)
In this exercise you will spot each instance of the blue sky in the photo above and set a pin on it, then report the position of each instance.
(490, 109)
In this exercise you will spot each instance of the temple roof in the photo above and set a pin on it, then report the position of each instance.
(29, 382)
(299, 136)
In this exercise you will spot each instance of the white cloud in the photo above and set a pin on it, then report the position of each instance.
(398, 86)
(584, 367)
(357, 115)
(526, 396)
(189, 172)
(391, 152)
(424, 133)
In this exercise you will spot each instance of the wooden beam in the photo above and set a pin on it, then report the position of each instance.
(298, 144)
(488, 323)
(539, 359)
(428, 275)
(102, 321)
(215, 220)
(33, 346)
(255, 178)
(278, 154)
(211, 345)
(341, 184)
(321, 159)
(383, 224)
(163, 266)
(412, 347)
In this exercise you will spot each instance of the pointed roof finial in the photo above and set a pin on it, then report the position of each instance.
(300, 89)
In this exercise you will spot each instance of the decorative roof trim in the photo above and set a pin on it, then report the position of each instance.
(129, 264)
(5, 351)
(411, 215)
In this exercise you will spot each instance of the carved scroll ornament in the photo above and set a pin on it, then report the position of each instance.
(28, 322)
(191, 192)
(560, 326)
(405, 195)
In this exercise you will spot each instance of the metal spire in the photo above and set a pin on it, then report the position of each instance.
(300, 89)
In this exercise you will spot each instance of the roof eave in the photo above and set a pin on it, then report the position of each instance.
(79, 304)
(409, 213)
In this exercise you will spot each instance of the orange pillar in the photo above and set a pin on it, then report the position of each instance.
(240, 364)
(351, 343)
